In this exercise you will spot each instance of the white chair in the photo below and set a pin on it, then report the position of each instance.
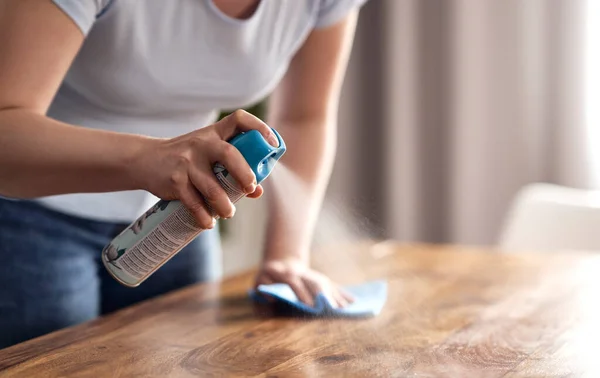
(546, 217)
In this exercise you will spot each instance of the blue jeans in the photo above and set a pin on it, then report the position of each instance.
(51, 275)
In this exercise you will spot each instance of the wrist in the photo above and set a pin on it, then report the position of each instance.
(285, 253)
(136, 162)
(287, 261)
(286, 241)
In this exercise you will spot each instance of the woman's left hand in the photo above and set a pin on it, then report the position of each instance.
(305, 282)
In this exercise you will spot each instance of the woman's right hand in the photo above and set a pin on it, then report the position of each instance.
(181, 168)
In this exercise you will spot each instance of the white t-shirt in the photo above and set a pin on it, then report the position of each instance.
(167, 67)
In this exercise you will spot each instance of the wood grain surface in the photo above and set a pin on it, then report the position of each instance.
(451, 312)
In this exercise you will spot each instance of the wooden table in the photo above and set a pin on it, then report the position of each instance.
(452, 311)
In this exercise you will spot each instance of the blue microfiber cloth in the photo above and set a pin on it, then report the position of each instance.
(369, 299)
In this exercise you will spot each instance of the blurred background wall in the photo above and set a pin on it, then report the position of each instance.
(453, 105)
(449, 108)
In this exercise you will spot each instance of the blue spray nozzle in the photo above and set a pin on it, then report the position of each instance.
(259, 154)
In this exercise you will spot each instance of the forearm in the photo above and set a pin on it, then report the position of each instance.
(293, 212)
(40, 157)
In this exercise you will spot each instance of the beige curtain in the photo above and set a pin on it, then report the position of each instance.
(451, 106)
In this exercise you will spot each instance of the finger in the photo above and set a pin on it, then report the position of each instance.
(215, 196)
(236, 165)
(302, 292)
(314, 287)
(318, 287)
(346, 295)
(241, 120)
(338, 299)
(257, 193)
(193, 201)
(332, 293)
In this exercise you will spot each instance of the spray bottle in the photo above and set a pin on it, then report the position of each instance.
(162, 231)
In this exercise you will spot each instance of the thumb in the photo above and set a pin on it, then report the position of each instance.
(262, 279)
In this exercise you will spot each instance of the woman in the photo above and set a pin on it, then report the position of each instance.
(107, 104)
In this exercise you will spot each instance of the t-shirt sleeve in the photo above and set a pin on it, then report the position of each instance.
(332, 11)
(83, 12)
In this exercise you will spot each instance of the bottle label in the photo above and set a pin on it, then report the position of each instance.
(158, 235)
